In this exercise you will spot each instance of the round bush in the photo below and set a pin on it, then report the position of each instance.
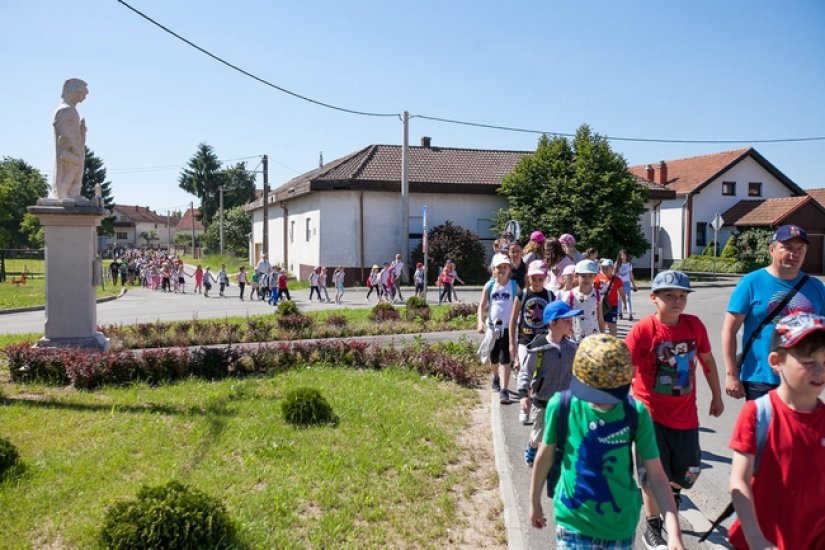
(417, 308)
(168, 516)
(383, 311)
(8, 456)
(287, 307)
(306, 406)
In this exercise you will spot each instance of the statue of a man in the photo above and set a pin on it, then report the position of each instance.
(70, 141)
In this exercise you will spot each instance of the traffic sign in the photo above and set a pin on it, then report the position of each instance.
(717, 222)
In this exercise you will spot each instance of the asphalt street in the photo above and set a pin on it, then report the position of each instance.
(704, 501)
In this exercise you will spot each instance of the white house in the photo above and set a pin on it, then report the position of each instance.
(707, 185)
(132, 221)
(347, 212)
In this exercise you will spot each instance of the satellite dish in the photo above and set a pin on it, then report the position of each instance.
(513, 228)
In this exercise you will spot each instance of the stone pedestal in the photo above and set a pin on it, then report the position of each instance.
(71, 305)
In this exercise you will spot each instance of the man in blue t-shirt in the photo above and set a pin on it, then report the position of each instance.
(756, 295)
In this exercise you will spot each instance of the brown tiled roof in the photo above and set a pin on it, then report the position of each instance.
(764, 211)
(691, 174)
(431, 170)
(818, 195)
(139, 213)
(656, 191)
(185, 222)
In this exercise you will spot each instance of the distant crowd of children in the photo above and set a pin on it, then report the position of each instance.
(614, 423)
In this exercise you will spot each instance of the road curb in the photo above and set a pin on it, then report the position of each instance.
(43, 307)
(515, 534)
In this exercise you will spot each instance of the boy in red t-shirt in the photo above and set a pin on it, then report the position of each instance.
(608, 283)
(782, 505)
(664, 348)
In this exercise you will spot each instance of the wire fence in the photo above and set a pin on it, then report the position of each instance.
(17, 262)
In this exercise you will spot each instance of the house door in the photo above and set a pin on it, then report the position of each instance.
(814, 257)
(257, 255)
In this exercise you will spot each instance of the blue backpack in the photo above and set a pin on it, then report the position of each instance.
(562, 425)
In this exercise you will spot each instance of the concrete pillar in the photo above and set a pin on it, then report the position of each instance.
(71, 304)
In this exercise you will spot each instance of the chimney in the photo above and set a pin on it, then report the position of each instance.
(321, 159)
(426, 141)
(662, 172)
(650, 172)
(137, 208)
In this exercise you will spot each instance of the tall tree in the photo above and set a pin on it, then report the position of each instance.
(20, 187)
(236, 228)
(239, 186)
(202, 177)
(580, 187)
(95, 174)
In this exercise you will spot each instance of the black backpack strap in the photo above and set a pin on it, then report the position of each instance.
(632, 417)
(769, 317)
(562, 425)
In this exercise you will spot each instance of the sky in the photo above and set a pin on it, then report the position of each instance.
(700, 70)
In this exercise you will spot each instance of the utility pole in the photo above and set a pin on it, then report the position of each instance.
(405, 193)
(220, 195)
(192, 209)
(168, 232)
(265, 163)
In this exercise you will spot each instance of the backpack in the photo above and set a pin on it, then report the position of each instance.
(764, 415)
(630, 412)
(513, 290)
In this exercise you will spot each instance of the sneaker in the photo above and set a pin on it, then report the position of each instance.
(530, 456)
(496, 385)
(524, 418)
(504, 397)
(653, 535)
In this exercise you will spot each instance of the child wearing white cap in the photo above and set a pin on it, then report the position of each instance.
(586, 298)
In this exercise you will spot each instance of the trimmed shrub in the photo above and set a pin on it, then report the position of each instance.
(287, 307)
(8, 456)
(307, 407)
(453, 242)
(295, 326)
(168, 516)
(337, 321)
(417, 308)
(704, 264)
(461, 310)
(753, 247)
(383, 311)
(709, 248)
(730, 250)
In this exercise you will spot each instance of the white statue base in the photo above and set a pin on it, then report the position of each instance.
(71, 305)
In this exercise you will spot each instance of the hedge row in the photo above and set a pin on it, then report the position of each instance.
(89, 370)
(705, 264)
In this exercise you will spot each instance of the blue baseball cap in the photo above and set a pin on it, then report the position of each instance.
(671, 280)
(559, 310)
(788, 232)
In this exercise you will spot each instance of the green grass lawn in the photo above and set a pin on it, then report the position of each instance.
(388, 475)
(17, 266)
(33, 293)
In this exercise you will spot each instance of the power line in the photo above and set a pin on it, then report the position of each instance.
(250, 75)
(454, 121)
(614, 138)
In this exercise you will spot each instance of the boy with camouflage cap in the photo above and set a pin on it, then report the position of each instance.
(597, 500)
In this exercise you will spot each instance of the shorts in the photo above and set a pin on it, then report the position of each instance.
(612, 315)
(537, 418)
(680, 453)
(567, 539)
(755, 390)
(500, 353)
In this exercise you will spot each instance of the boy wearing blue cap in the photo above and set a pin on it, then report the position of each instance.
(664, 348)
(547, 369)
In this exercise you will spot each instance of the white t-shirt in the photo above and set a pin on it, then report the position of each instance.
(263, 266)
(624, 271)
(501, 301)
(588, 322)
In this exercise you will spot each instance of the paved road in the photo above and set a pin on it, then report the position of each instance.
(706, 499)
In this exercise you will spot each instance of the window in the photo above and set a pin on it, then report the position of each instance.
(729, 188)
(309, 229)
(121, 236)
(292, 231)
(701, 233)
(755, 189)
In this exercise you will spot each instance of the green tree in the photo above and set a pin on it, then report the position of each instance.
(237, 224)
(20, 187)
(577, 186)
(202, 177)
(453, 242)
(239, 186)
(94, 174)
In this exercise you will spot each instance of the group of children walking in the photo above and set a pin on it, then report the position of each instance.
(615, 423)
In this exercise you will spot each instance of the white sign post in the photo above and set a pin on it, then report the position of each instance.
(425, 247)
(716, 224)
